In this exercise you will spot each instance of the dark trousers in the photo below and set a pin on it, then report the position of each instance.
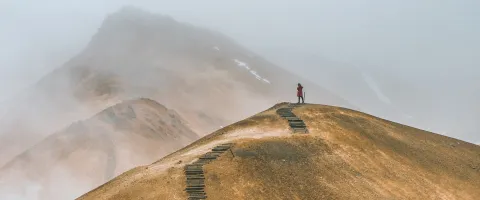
(300, 97)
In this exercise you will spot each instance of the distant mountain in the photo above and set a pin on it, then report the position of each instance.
(205, 76)
(90, 152)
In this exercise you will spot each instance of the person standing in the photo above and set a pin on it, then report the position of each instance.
(300, 93)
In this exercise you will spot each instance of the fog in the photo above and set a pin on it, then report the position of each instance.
(432, 45)
(407, 61)
(416, 58)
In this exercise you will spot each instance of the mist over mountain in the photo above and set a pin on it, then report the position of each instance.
(83, 80)
(90, 152)
(207, 79)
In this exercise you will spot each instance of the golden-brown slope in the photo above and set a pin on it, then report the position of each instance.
(90, 152)
(347, 155)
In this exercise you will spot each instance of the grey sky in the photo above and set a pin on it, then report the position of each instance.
(435, 41)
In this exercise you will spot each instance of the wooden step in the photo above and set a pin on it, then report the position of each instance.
(298, 126)
(195, 188)
(300, 131)
(221, 148)
(296, 122)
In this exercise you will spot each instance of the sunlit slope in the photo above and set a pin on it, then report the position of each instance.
(346, 155)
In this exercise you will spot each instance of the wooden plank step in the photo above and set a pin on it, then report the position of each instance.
(299, 129)
(213, 153)
(194, 172)
(300, 132)
(296, 122)
(194, 188)
(195, 176)
(195, 185)
(196, 181)
(221, 148)
(298, 125)
(197, 198)
(193, 167)
(196, 193)
(208, 157)
(294, 119)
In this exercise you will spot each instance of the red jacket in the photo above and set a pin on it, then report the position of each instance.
(300, 91)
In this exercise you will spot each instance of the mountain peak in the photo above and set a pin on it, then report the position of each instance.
(131, 15)
(133, 12)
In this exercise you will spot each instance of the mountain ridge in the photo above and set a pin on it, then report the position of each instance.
(119, 137)
(346, 155)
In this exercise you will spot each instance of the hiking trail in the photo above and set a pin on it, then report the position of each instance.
(195, 174)
(296, 124)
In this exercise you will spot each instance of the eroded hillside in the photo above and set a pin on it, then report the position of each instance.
(90, 152)
(346, 155)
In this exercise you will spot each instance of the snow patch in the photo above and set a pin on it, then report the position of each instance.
(241, 64)
(256, 75)
(216, 48)
(253, 72)
(373, 86)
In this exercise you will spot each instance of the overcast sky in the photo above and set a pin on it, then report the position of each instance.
(420, 35)
(438, 37)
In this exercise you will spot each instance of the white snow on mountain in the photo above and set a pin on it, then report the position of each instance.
(373, 86)
(256, 75)
(253, 72)
(216, 48)
(241, 64)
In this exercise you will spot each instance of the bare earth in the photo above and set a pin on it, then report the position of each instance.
(346, 155)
